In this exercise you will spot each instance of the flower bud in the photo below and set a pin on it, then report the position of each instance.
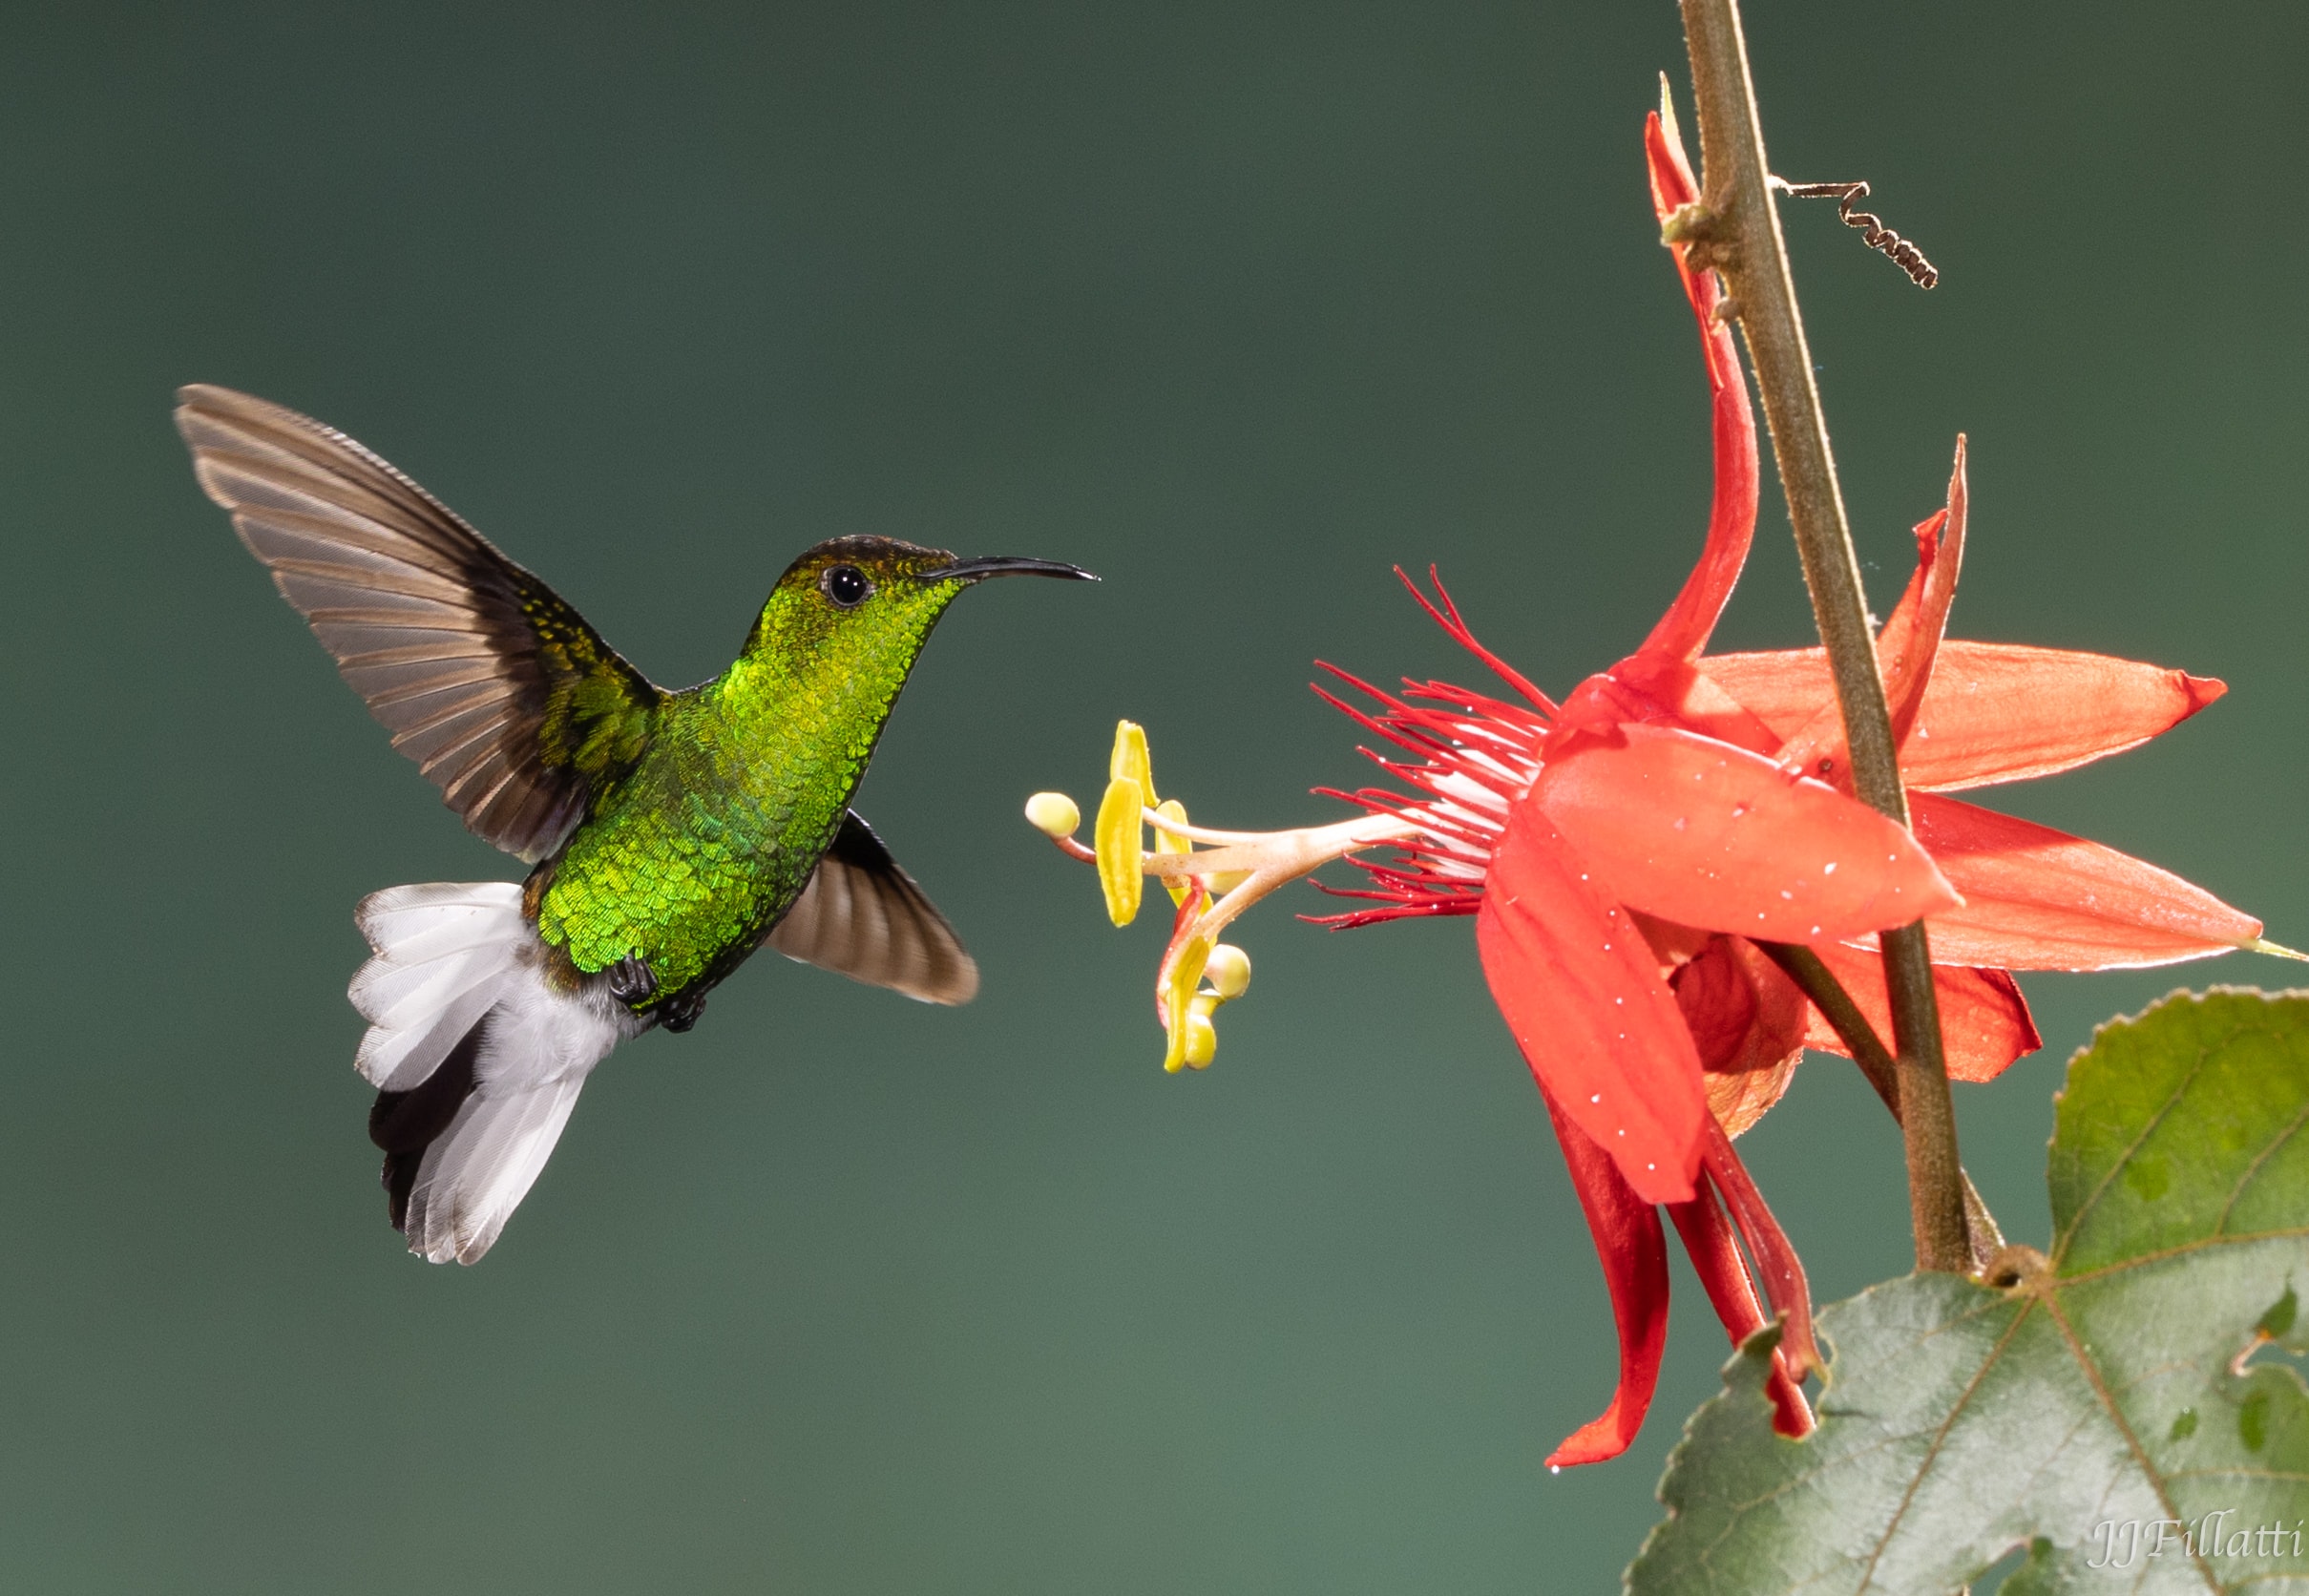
(1054, 814)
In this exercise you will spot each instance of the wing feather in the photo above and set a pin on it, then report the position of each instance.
(864, 917)
(471, 662)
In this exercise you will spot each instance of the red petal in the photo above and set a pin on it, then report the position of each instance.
(1744, 1014)
(1672, 184)
(1580, 990)
(1634, 1254)
(1905, 648)
(1658, 689)
(2001, 712)
(1715, 1258)
(1984, 1021)
(1719, 1005)
(2040, 899)
(1778, 1268)
(1706, 834)
(1911, 638)
(1748, 1021)
(1782, 687)
(1682, 633)
(1993, 711)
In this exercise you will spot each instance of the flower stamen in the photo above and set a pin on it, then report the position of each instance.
(1213, 885)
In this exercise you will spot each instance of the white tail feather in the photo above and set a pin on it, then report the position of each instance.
(448, 958)
(477, 1171)
(442, 949)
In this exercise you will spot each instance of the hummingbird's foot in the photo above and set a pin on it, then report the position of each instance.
(683, 1012)
(631, 982)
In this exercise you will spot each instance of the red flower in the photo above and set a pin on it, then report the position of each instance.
(1623, 852)
(1618, 853)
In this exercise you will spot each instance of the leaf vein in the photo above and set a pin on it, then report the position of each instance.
(2259, 1158)
(2184, 1249)
(1940, 1438)
(2116, 1166)
(2116, 1416)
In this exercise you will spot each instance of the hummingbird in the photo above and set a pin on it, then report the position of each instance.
(670, 835)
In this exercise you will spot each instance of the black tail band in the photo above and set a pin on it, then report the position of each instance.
(404, 1124)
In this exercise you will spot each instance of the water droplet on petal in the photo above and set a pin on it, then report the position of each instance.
(1595, 1097)
(1830, 869)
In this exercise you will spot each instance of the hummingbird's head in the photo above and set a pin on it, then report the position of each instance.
(861, 608)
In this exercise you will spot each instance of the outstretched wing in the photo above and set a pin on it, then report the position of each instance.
(507, 700)
(862, 916)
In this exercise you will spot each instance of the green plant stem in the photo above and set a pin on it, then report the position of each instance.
(1739, 234)
(1982, 1236)
(1818, 983)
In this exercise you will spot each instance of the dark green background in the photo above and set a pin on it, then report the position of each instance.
(844, 1294)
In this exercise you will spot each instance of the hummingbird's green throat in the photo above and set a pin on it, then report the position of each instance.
(672, 832)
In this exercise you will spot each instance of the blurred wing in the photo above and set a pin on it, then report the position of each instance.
(506, 698)
(862, 916)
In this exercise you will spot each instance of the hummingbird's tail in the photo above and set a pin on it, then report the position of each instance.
(476, 1059)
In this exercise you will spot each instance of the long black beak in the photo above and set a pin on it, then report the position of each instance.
(978, 570)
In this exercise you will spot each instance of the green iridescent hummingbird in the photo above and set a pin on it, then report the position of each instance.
(671, 833)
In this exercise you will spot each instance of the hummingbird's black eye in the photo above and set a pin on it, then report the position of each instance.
(846, 585)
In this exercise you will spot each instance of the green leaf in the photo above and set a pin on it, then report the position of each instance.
(2122, 1409)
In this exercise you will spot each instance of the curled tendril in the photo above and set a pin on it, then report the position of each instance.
(1873, 231)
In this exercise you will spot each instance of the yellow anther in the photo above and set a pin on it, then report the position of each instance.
(1228, 971)
(1167, 843)
(1131, 761)
(1117, 834)
(1054, 814)
(1185, 973)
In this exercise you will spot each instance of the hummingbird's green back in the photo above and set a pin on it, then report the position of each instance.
(744, 780)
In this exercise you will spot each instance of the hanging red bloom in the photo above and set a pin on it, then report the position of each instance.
(1537, 819)
(1626, 851)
